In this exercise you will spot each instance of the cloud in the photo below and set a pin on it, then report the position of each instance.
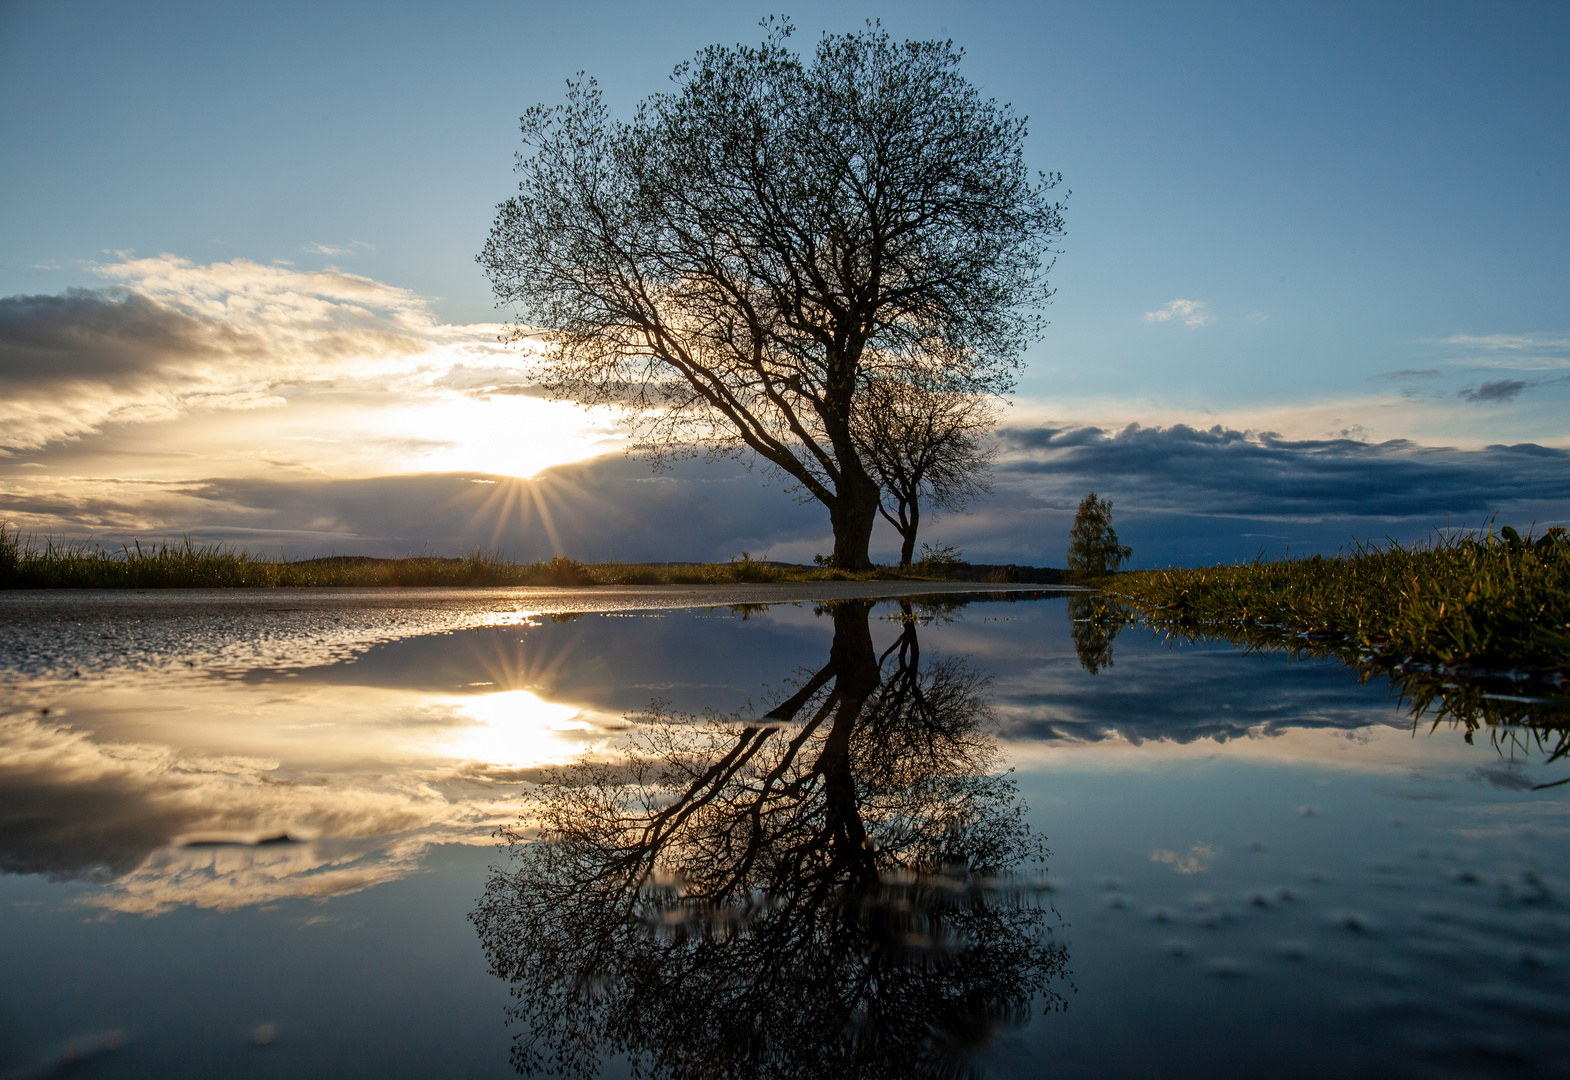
(484, 381)
(332, 250)
(85, 335)
(71, 363)
(1182, 494)
(172, 337)
(328, 412)
(1497, 390)
(1512, 342)
(607, 507)
(1523, 352)
(1191, 313)
(1223, 471)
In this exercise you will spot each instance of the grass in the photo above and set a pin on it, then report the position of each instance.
(1469, 627)
(1497, 601)
(27, 564)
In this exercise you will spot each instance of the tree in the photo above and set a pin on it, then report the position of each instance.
(749, 253)
(923, 443)
(1093, 548)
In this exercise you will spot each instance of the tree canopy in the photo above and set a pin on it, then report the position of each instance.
(741, 260)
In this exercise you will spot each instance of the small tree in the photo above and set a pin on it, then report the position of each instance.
(737, 263)
(921, 444)
(1093, 548)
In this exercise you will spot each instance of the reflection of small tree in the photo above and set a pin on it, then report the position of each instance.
(1094, 622)
(812, 893)
(1093, 549)
(923, 445)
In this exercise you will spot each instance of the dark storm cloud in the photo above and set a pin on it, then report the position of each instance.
(1497, 390)
(1183, 497)
(181, 339)
(609, 507)
(1225, 472)
(99, 337)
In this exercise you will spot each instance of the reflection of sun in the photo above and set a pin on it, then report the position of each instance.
(515, 727)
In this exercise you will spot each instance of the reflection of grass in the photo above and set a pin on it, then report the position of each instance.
(1474, 629)
(25, 564)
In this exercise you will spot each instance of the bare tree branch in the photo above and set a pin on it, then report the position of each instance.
(924, 445)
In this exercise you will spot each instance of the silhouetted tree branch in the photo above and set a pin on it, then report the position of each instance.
(741, 260)
(923, 444)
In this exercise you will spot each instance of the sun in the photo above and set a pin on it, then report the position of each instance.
(508, 435)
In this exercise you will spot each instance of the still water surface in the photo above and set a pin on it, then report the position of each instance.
(843, 833)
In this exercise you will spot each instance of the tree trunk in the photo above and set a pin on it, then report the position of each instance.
(855, 506)
(852, 516)
(907, 551)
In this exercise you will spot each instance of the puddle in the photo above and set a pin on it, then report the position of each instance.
(839, 835)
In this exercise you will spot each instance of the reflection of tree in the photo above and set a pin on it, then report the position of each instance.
(1094, 622)
(820, 892)
(1524, 713)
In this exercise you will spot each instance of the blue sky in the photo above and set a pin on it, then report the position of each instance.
(1329, 221)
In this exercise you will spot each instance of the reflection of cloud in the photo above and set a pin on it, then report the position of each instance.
(1197, 861)
(1546, 821)
(1191, 313)
(1156, 698)
(226, 878)
(162, 827)
(514, 729)
(73, 807)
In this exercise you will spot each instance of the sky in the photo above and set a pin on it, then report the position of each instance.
(1312, 287)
